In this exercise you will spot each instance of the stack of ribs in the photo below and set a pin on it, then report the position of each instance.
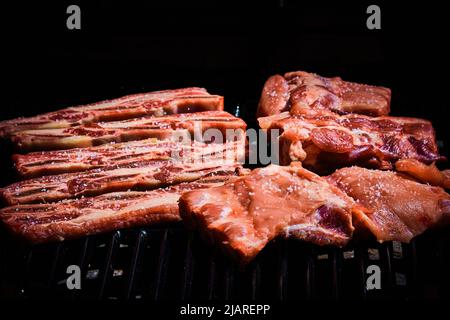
(118, 163)
(378, 176)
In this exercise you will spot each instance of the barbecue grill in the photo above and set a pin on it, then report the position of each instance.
(114, 53)
(172, 263)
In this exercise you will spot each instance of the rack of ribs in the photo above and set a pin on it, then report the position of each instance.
(75, 218)
(115, 154)
(179, 127)
(300, 92)
(392, 207)
(156, 103)
(326, 142)
(244, 214)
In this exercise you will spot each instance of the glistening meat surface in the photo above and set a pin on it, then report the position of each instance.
(325, 142)
(80, 159)
(155, 103)
(180, 127)
(425, 173)
(135, 174)
(70, 219)
(246, 213)
(302, 92)
(392, 207)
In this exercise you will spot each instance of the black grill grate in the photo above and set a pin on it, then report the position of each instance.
(172, 263)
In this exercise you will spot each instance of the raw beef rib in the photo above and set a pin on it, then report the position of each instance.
(80, 217)
(178, 127)
(156, 103)
(81, 159)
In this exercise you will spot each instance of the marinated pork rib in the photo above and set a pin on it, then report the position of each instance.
(80, 217)
(120, 177)
(175, 127)
(392, 207)
(300, 92)
(80, 159)
(246, 213)
(325, 142)
(156, 103)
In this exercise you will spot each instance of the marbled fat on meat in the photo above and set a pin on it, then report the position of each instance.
(149, 174)
(81, 159)
(326, 142)
(179, 127)
(155, 103)
(76, 218)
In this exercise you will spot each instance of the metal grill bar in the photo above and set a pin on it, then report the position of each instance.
(282, 278)
(212, 279)
(51, 280)
(362, 263)
(81, 261)
(256, 280)
(162, 266)
(26, 274)
(137, 254)
(310, 270)
(337, 254)
(229, 282)
(112, 247)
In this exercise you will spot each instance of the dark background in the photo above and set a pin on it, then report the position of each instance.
(229, 48)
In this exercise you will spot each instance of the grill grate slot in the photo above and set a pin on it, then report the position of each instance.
(188, 270)
(203, 281)
(25, 278)
(282, 279)
(38, 271)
